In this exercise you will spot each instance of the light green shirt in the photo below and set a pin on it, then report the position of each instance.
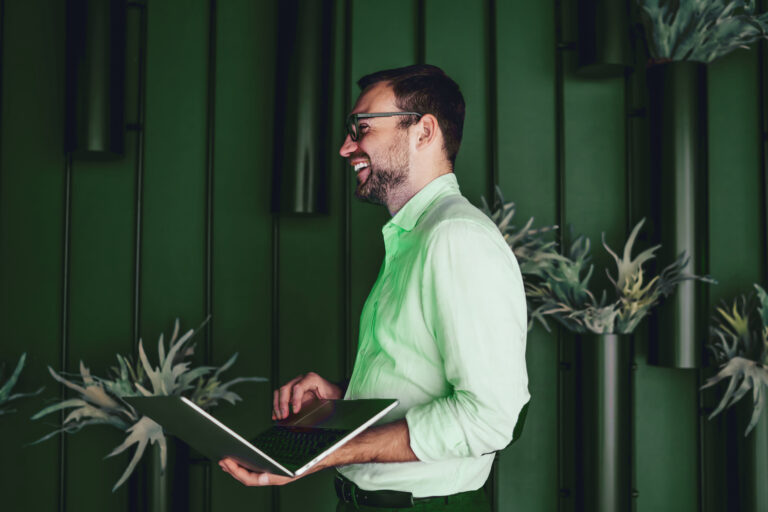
(443, 330)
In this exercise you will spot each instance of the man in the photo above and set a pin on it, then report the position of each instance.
(444, 327)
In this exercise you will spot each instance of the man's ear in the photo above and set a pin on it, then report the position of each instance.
(427, 131)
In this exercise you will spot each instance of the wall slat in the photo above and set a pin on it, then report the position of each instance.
(31, 243)
(174, 215)
(456, 42)
(242, 224)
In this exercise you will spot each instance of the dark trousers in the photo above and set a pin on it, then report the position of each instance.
(472, 501)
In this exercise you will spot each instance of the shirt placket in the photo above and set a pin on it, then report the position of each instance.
(390, 234)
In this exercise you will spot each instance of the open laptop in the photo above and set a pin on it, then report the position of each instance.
(290, 447)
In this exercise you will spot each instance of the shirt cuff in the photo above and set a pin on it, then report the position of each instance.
(433, 435)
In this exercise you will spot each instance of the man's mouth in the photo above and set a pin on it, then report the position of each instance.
(363, 170)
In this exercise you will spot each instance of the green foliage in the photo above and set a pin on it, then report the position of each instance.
(535, 255)
(563, 293)
(739, 343)
(99, 399)
(700, 30)
(7, 388)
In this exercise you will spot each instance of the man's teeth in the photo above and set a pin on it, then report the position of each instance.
(360, 165)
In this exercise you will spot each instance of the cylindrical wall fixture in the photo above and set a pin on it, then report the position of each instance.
(169, 489)
(678, 137)
(749, 467)
(604, 44)
(95, 84)
(302, 114)
(604, 422)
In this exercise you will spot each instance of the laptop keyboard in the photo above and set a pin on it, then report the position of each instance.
(296, 445)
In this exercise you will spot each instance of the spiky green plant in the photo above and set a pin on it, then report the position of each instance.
(739, 343)
(7, 388)
(700, 30)
(535, 252)
(99, 401)
(564, 294)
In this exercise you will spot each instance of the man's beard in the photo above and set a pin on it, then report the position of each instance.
(386, 176)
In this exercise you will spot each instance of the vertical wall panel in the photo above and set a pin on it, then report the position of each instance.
(735, 249)
(243, 224)
(31, 206)
(100, 316)
(456, 42)
(174, 213)
(595, 177)
(526, 158)
(174, 183)
(665, 437)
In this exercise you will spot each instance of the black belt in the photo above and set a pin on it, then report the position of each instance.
(348, 492)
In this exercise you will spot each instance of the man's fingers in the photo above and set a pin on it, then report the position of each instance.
(284, 398)
(299, 390)
(275, 397)
(244, 476)
(299, 395)
(323, 388)
(311, 387)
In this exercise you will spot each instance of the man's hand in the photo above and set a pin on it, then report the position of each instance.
(254, 479)
(299, 390)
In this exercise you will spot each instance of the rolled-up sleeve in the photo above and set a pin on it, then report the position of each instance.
(474, 304)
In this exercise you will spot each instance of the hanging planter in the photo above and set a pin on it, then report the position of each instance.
(604, 353)
(302, 89)
(604, 421)
(739, 344)
(603, 38)
(682, 37)
(678, 138)
(167, 488)
(751, 461)
(95, 81)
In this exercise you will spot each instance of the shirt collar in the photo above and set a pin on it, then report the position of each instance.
(410, 213)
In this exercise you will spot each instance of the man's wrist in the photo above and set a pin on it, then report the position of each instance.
(385, 443)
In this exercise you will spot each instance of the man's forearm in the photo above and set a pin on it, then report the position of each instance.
(387, 443)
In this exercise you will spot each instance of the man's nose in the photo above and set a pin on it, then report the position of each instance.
(348, 147)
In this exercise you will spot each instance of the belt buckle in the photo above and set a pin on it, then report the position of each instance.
(347, 491)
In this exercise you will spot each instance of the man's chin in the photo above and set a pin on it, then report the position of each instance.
(365, 195)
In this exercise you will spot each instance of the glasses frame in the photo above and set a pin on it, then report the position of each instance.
(353, 121)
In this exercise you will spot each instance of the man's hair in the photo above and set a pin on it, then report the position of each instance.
(427, 90)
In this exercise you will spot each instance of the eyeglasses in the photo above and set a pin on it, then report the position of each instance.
(353, 128)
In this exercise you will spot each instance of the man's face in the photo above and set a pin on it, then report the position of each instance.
(380, 154)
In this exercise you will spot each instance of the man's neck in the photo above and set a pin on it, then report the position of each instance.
(400, 198)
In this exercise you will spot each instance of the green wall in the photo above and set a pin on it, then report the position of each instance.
(96, 254)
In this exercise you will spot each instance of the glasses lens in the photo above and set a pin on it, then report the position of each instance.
(352, 127)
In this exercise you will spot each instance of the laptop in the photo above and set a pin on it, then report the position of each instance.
(290, 447)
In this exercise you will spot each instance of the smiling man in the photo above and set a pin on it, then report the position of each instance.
(444, 327)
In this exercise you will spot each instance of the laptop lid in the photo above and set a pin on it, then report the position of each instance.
(202, 431)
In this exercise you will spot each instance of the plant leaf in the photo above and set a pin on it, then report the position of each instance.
(140, 433)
